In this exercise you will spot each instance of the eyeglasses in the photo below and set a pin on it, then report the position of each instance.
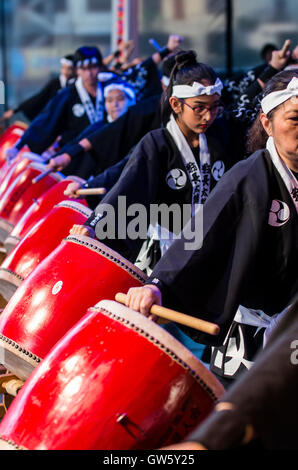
(202, 108)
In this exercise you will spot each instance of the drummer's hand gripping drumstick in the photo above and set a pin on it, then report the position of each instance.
(155, 44)
(42, 176)
(91, 191)
(183, 319)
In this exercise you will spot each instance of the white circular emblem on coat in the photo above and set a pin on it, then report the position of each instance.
(176, 178)
(78, 110)
(218, 169)
(57, 287)
(279, 213)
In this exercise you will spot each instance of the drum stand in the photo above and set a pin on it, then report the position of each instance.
(10, 385)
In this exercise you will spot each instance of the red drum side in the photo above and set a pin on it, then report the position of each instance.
(76, 275)
(15, 168)
(9, 138)
(39, 209)
(115, 381)
(39, 242)
(20, 195)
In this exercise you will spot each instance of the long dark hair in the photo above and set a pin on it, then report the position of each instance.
(186, 70)
(257, 136)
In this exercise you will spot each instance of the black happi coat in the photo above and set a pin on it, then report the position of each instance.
(57, 119)
(115, 140)
(145, 178)
(243, 259)
(145, 79)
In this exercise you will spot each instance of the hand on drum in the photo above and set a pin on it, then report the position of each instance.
(60, 162)
(141, 299)
(82, 230)
(72, 189)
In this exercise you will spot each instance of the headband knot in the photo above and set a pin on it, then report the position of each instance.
(197, 89)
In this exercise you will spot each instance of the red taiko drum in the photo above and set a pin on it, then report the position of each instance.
(39, 242)
(9, 138)
(115, 381)
(39, 209)
(76, 275)
(15, 168)
(21, 194)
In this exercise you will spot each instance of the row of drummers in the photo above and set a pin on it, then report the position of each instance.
(86, 372)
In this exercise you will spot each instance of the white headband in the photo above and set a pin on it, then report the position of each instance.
(197, 89)
(64, 61)
(275, 98)
(119, 86)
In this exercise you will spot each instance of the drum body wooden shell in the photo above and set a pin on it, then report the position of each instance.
(40, 207)
(116, 380)
(39, 242)
(21, 194)
(76, 275)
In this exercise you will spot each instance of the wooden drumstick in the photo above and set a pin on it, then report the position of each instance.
(285, 48)
(182, 318)
(90, 191)
(42, 175)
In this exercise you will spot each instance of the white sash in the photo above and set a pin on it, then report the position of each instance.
(199, 177)
(258, 318)
(285, 172)
(94, 114)
(165, 238)
(200, 180)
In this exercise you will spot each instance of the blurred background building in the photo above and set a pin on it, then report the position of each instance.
(227, 34)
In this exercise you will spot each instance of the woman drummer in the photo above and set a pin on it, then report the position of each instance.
(245, 272)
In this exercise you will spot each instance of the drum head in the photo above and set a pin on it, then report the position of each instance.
(108, 253)
(76, 206)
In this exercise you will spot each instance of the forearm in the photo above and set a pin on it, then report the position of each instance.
(158, 56)
(76, 149)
